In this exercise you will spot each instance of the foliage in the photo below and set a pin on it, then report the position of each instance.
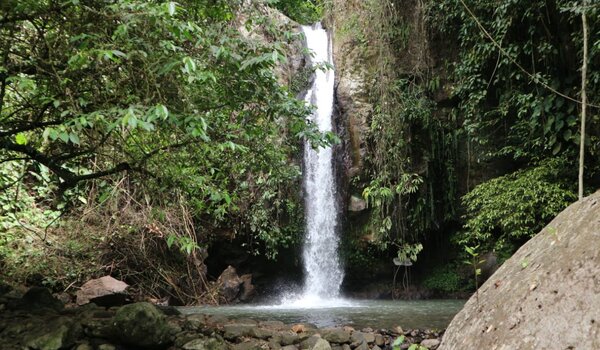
(514, 207)
(302, 11)
(396, 345)
(506, 101)
(444, 279)
(173, 94)
(409, 182)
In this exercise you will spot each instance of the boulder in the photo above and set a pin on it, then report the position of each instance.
(142, 325)
(104, 291)
(546, 296)
(230, 284)
(336, 335)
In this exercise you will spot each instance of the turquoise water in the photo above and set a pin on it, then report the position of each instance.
(433, 314)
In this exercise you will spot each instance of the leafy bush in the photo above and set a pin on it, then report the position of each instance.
(443, 279)
(514, 207)
(301, 11)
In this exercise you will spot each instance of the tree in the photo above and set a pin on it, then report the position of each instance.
(93, 88)
(583, 97)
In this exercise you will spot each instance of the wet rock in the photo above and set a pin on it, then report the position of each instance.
(261, 333)
(230, 284)
(236, 330)
(345, 347)
(251, 344)
(104, 291)
(336, 335)
(310, 342)
(357, 337)
(57, 334)
(142, 325)
(289, 347)
(195, 321)
(204, 344)
(216, 320)
(430, 343)
(321, 344)
(287, 338)
(370, 338)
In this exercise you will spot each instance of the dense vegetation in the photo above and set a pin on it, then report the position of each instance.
(164, 126)
(474, 136)
(161, 121)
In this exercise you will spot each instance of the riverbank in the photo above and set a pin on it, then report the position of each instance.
(39, 321)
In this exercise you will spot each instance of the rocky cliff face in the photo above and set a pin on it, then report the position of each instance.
(547, 296)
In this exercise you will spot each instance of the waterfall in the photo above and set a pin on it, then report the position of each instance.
(323, 273)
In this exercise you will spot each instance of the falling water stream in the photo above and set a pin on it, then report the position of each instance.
(323, 273)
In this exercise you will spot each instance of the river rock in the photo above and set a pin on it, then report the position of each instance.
(261, 333)
(336, 335)
(546, 296)
(310, 342)
(362, 346)
(104, 291)
(321, 344)
(251, 344)
(287, 338)
(237, 330)
(379, 340)
(142, 325)
(431, 344)
(204, 344)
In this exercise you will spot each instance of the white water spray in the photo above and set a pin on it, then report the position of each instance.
(323, 273)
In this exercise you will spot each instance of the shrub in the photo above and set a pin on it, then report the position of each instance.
(512, 208)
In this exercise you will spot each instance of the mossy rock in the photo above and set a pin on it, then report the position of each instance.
(142, 325)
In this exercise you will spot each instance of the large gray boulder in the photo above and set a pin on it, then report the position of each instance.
(547, 296)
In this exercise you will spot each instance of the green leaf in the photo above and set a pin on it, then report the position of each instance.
(171, 240)
(556, 148)
(64, 136)
(398, 341)
(21, 139)
(74, 138)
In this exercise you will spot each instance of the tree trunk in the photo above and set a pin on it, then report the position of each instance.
(583, 97)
